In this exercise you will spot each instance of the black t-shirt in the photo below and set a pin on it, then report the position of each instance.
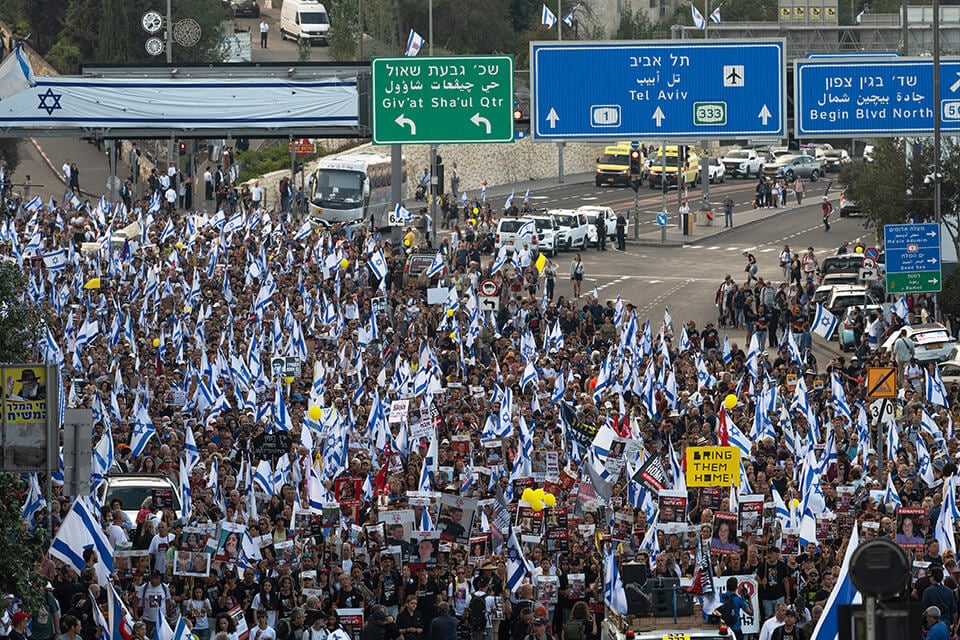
(780, 633)
(771, 579)
(406, 620)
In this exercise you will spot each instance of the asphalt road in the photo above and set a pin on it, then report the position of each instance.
(685, 279)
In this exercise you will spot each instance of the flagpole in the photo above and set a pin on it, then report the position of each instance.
(559, 144)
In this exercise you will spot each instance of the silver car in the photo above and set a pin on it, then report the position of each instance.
(794, 166)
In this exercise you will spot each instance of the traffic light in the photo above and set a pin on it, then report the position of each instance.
(183, 148)
(521, 121)
(517, 115)
(636, 163)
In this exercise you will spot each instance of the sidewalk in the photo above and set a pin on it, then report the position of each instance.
(651, 234)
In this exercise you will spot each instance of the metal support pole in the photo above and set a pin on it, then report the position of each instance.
(936, 129)
(636, 208)
(870, 606)
(559, 144)
(293, 174)
(169, 33)
(433, 149)
(905, 35)
(396, 171)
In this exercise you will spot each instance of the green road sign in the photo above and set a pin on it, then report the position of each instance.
(917, 282)
(433, 100)
(709, 113)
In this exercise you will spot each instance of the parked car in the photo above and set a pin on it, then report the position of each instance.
(845, 333)
(609, 217)
(742, 163)
(790, 167)
(133, 489)
(849, 263)
(950, 372)
(547, 233)
(833, 159)
(507, 234)
(848, 207)
(716, 171)
(836, 298)
(931, 342)
(574, 228)
(415, 270)
(245, 9)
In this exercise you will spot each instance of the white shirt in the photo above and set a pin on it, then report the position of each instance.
(117, 536)
(152, 599)
(66, 170)
(208, 177)
(263, 634)
(766, 631)
(264, 27)
(171, 195)
(256, 193)
(158, 549)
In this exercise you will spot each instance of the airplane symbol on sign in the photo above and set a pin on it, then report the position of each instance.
(733, 75)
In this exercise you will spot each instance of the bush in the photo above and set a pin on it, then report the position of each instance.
(257, 162)
(950, 295)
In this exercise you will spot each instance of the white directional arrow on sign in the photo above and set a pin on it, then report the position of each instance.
(658, 116)
(403, 120)
(552, 118)
(477, 119)
(956, 84)
(764, 114)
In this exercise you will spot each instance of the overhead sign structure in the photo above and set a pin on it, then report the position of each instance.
(913, 258)
(658, 89)
(713, 466)
(440, 99)
(886, 97)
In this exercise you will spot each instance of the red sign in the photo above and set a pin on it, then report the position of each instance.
(303, 147)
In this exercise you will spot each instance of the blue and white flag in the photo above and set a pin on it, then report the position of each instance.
(526, 230)
(943, 529)
(844, 593)
(55, 260)
(378, 264)
(35, 500)
(34, 204)
(16, 74)
(568, 20)
(901, 308)
(824, 322)
(509, 202)
(547, 17)
(517, 565)
(715, 15)
(81, 530)
(414, 43)
(437, 267)
(402, 213)
(935, 389)
(613, 594)
(698, 20)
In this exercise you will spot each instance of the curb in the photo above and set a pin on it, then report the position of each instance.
(691, 241)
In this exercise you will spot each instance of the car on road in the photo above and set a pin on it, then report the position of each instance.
(135, 489)
(716, 171)
(833, 159)
(932, 342)
(547, 233)
(245, 8)
(415, 269)
(950, 372)
(790, 167)
(742, 163)
(836, 298)
(508, 234)
(845, 332)
(613, 167)
(849, 263)
(574, 229)
(848, 207)
(672, 163)
(609, 218)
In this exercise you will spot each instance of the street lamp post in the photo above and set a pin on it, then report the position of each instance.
(434, 183)
(936, 128)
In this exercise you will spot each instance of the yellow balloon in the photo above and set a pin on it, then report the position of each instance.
(453, 335)
(549, 499)
(476, 211)
(794, 504)
(449, 313)
(858, 250)
(538, 494)
(537, 506)
(288, 380)
(344, 263)
(156, 342)
(730, 401)
(527, 495)
(187, 308)
(315, 413)
(473, 221)
(179, 245)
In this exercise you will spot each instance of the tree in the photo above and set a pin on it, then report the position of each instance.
(10, 153)
(21, 324)
(344, 29)
(635, 25)
(20, 550)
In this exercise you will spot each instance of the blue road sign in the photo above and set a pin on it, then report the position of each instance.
(658, 89)
(661, 219)
(912, 258)
(885, 97)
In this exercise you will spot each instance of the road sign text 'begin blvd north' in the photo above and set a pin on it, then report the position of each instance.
(658, 89)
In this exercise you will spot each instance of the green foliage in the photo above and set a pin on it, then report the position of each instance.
(10, 153)
(276, 157)
(637, 26)
(380, 21)
(20, 325)
(72, 32)
(20, 550)
(304, 50)
(950, 295)
(344, 30)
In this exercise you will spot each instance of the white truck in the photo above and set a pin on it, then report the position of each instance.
(304, 20)
(609, 218)
(351, 187)
(743, 163)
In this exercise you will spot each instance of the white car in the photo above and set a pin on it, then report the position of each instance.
(931, 342)
(742, 163)
(134, 489)
(547, 232)
(716, 171)
(574, 229)
(610, 219)
(508, 235)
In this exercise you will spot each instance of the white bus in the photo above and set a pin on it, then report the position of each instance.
(352, 187)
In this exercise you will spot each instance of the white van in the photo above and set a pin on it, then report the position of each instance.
(304, 20)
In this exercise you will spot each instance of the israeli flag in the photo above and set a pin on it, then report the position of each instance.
(613, 594)
(527, 229)
(715, 15)
(55, 260)
(901, 308)
(437, 266)
(34, 204)
(568, 20)
(402, 213)
(547, 17)
(16, 74)
(509, 202)
(824, 323)
(378, 264)
(517, 565)
(79, 530)
(414, 43)
(698, 20)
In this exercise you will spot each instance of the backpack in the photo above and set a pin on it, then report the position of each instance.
(727, 610)
(573, 630)
(478, 612)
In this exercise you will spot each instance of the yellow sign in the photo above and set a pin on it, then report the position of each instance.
(799, 11)
(677, 636)
(815, 13)
(881, 382)
(785, 13)
(25, 442)
(541, 263)
(831, 11)
(792, 381)
(713, 466)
